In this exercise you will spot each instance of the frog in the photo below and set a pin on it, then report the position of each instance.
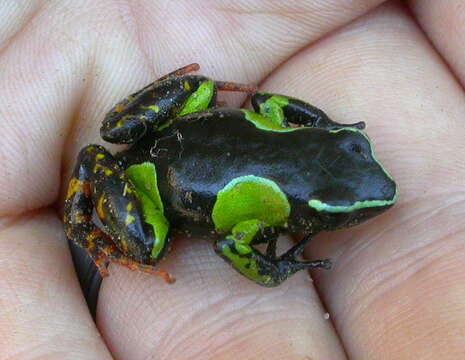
(237, 176)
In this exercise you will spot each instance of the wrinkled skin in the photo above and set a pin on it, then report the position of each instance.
(397, 287)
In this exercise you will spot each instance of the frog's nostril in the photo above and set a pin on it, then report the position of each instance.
(388, 190)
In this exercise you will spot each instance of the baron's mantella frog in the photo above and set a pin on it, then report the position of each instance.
(240, 177)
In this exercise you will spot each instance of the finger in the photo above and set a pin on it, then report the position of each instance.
(211, 313)
(443, 22)
(40, 89)
(13, 16)
(225, 33)
(396, 288)
(42, 313)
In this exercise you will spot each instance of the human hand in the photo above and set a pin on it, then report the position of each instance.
(396, 290)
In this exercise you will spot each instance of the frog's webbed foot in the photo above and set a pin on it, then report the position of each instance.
(102, 250)
(285, 110)
(98, 182)
(113, 254)
(291, 255)
(269, 269)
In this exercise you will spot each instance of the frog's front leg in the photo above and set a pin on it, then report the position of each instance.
(285, 110)
(267, 270)
(250, 209)
(98, 182)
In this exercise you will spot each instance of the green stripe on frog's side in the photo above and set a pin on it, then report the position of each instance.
(250, 197)
(264, 123)
(200, 99)
(242, 258)
(144, 178)
(321, 206)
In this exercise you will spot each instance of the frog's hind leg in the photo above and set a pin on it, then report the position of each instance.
(285, 110)
(113, 254)
(98, 182)
(158, 104)
(268, 270)
(237, 87)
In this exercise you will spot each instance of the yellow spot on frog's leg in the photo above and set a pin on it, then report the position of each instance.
(153, 108)
(124, 246)
(106, 171)
(129, 219)
(99, 207)
(100, 156)
(76, 185)
(122, 121)
(80, 218)
(187, 86)
(129, 207)
(73, 187)
(90, 239)
(119, 108)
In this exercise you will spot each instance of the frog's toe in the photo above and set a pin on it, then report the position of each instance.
(116, 256)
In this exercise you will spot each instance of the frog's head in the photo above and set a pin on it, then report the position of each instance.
(353, 186)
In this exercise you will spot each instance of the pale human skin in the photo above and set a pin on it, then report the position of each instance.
(397, 288)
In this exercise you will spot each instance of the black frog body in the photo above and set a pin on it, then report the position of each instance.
(238, 176)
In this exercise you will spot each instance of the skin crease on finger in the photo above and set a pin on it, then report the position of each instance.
(42, 312)
(443, 22)
(82, 84)
(397, 282)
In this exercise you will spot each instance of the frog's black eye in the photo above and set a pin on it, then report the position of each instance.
(356, 148)
(360, 149)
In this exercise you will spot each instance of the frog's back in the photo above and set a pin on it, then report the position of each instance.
(200, 154)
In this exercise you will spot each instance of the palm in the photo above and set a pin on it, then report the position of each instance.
(397, 286)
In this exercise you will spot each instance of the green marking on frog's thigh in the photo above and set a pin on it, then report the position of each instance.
(144, 178)
(200, 99)
(250, 197)
(264, 123)
(243, 233)
(272, 109)
(242, 258)
(246, 266)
